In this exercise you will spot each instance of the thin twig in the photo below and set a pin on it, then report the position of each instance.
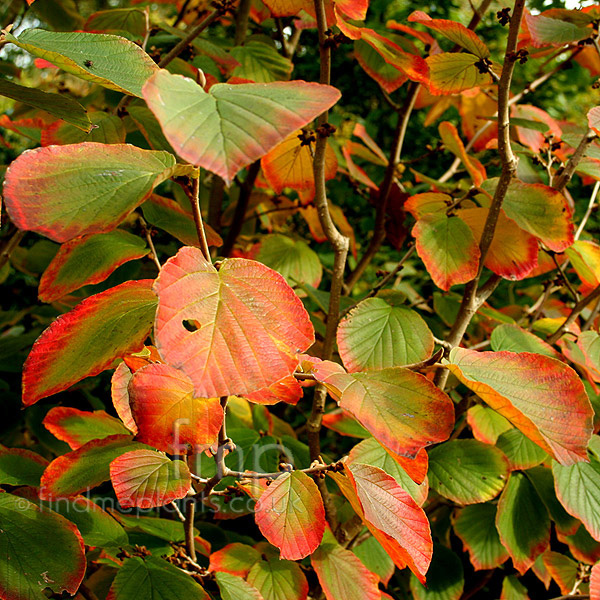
(148, 235)
(590, 320)
(179, 514)
(190, 511)
(588, 211)
(86, 592)
(254, 475)
(195, 202)
(567, 173)
(575, 312)
(564, 279)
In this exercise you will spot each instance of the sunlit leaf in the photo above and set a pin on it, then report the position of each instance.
(585, 258)
(541, 396)
(246, 323)
(376, 335)
(105, 182)
(235, 558)
(486, 424)
(513, 589)
(168, 414)
(278, 579)
(387, 76)
(233, 587)
(231, 126)
(453, 72)
(110, 60)
(523, 525)
(291, 516)
(28, 567)
(87, 260)
(86, 340)
(146, 479)
(545, 31)
(374, 556)
(107, 129)
(520, 451)
(515, 339)
(563, 570)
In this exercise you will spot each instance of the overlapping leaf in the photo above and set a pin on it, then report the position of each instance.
(88, 260)
(21, 467)
(454, 72)
(260, 62)
(168, 414)
(454, 144)
(291, 516)
(27, 567)
(78, 427)
(514, 339)
(277, 579)
(376, 335)
(445, 581)
(246, 323)
(585, 258)
(105, 182)
(233, 587)
(546, 31)
(110, 60)
(235, 558)
(231, 126)
(145, 478)
(541, 396)
(86, 340)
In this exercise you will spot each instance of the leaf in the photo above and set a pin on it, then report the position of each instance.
(563, 570)
(233, 587)
(87, 260)
(540, 210)
(585, 258)
(116, 63)
(293, 259)
(453, 31)
(513, 589)
(467, 471)
(513, 252)
(390, 509)
(287, 8)
(387, 76)
(105, 183)
(260, 62)
(28, 567)
(521, 452)
(448, 249)
(593, 116)
(541, 396)
(86, 340)
(145, 478)
(249, 323)
(373, 556)
(235, 558)
(486, 424)
(445, 580)
(278, 579)
(515, 339)
(475, 525)
(58, 105)
(120, 396)
(232, 126)
(106, 129)
(152, 578)
(85, 468)
(21, 467)
(545, 31)
(116, 20)
(371, 452)
(167, 214)
(453, 143)
(290, 164)
(290, 514)
(341, 422)
(169, 415)
(78, 427)
(402, 409)
(342, 574)
(376, 335)
(578, 490)
(454, 72)
(524, 526)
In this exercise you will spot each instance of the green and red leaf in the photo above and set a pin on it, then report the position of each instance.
(278, 579)
(247, 323)
(86, 340)
(235, 558)
(19, 466)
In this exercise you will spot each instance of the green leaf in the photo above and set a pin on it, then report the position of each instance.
(512, 588)
(117, 20)
(546, 31)
(293, 259)
(60, 106)
(27, 567)
(261, 63)
(521, 452)
(21, 467)
(475, 525)
(515, 339)
(233, 587)
(453, 72)
(111, 61)
(86, 340)
(523, 525)
(445, 578)
(467, 471)
(231, 126)
(373, 555)
(105, 182)
(106, 129)
(164, 529)
(87, 260)
(278, 579)
(376, 335)
(72, 473)
(153, 579)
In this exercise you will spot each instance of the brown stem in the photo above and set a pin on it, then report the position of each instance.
(575, 312)
(565, 176)
(190, 511)
(241, 21)
(253, 475)
(386, 187)
(472, 298)
(564, 278)
(195, 202)
(240, 208)
(11, 241)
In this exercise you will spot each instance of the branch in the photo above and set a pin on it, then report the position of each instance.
(195, 202)
(190, 511)
(386, 186)
(241, 21)
(11, 241)
(317, 468)
(565, 176)
(588, 211)
(575, 312)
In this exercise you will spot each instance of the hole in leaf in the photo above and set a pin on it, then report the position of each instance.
(191, 324)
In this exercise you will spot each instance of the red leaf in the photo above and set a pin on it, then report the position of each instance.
(86, 340)
(78, 427)
(145, 478)
(248, 323)
(168, 414)
(291, 516)
(287, 389)
(389, 508)
(119, 384)
(540, 395)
